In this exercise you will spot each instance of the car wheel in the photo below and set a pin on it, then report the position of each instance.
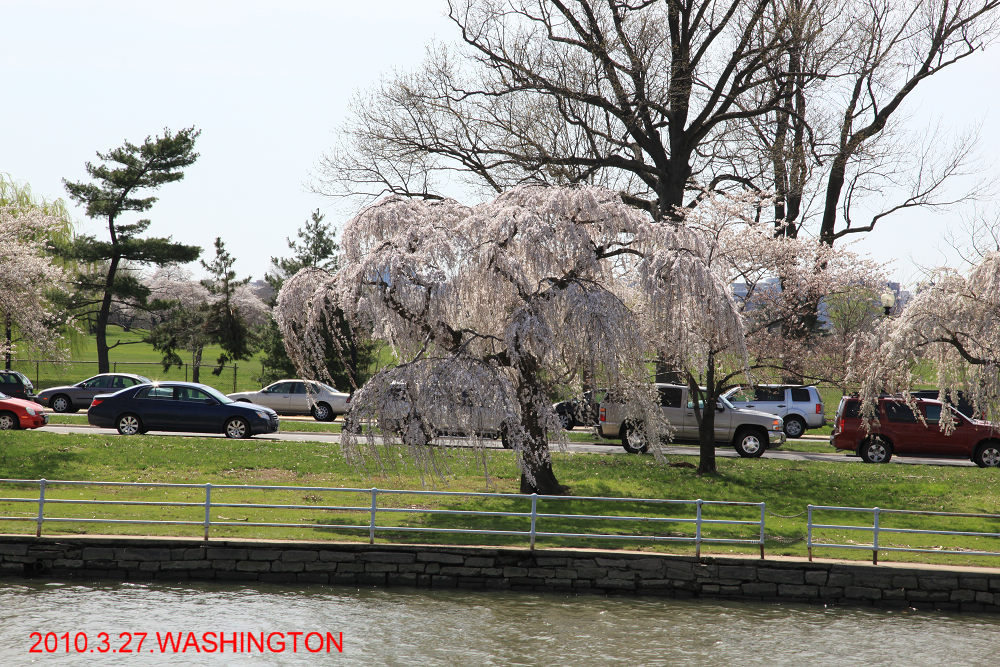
(237, 427)
(988, 455)
(566, 421)
(875, 450)
(129, 425)
(61, 403)
(322, 413)
(794, 427)
(8, 421)
(750, 442)
(634, 438)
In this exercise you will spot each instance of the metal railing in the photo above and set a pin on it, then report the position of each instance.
(878, 530)
(373, 509)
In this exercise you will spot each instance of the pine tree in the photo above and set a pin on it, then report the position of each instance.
(122, 174)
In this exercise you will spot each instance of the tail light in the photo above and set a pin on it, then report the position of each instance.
(604, 416)
(840, 427)
(819, 408)
(96, 402)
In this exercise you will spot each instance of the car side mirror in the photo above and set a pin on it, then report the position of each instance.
(719, 407)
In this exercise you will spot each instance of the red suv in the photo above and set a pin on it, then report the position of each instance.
(900, 431)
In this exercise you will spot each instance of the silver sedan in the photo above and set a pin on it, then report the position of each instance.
(298, 397)
(75, 397)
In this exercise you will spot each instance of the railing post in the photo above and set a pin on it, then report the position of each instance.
(762, 509)
(371, 523)
(697, 531)
(809, 531)
(41, 506)
(234, 378)
(534, 518)
(208, 508)
(875, 538)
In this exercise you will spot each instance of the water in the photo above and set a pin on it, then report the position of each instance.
(408, 627)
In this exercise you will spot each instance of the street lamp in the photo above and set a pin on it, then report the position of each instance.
(888, 301)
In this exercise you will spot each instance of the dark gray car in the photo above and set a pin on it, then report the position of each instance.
(78, 396)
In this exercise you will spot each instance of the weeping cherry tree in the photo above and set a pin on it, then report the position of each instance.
(953, 321)
(489, 307)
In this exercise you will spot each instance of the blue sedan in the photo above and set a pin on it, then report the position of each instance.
(179, 406)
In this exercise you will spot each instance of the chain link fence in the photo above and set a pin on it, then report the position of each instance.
(46, 373)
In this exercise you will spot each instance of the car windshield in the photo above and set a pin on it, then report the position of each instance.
(3, 395)
(328, 388)
(216, 394)
(725, 401)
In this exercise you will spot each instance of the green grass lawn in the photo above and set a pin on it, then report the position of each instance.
(786, 486)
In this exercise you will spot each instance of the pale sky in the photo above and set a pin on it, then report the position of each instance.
(268, 84)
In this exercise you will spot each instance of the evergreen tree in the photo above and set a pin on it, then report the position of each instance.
(224, 322)
(219, 309)
(122, 174)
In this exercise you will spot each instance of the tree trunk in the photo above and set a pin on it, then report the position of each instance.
(706, 417)
(196, 365)
(535, 458)
(545, 484)
(8, 335)
(104, 314)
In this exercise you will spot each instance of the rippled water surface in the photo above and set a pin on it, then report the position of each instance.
(409, 627)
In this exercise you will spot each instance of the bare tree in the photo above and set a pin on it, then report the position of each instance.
(800, 98)
(866, 165)
(633, 95)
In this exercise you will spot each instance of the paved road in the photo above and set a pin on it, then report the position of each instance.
(573, 447)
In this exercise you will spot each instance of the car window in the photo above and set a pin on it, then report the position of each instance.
(670, 397)
(932, 412)
(899, 412)
(740, 394)
(297, 388)
(774, 394)
(801, 395)
(158, 393)
(852, 409)
(278, 388)
(191, 395)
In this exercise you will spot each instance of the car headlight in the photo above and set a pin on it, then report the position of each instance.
(262, 414)
(776, 425)
(30, 411)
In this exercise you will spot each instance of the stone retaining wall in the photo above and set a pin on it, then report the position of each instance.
(485, 568)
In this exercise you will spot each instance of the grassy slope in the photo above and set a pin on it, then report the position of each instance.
(135, 356)
(787, 487)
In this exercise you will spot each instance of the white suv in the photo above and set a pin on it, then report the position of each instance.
(800, 407)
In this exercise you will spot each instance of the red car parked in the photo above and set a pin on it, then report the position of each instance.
(19, 413)
(899, 431)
